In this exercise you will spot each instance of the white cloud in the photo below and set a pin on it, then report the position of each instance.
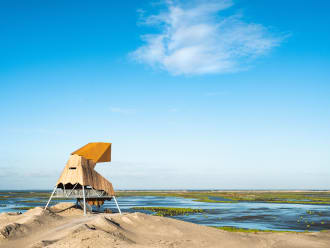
(173, 110)
(195, 38)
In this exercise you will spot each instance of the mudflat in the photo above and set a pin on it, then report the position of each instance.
(65, 226)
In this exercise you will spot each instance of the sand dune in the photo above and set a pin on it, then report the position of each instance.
(64, 226)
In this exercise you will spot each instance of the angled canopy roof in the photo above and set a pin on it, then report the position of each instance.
(97, 151)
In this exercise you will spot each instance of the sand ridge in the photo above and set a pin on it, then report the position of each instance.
(64, 226)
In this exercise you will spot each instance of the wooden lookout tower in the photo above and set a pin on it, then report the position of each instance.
(80, 181)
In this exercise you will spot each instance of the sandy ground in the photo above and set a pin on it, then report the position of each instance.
(63, 226)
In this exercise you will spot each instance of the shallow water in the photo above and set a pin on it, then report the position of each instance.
(264, 216)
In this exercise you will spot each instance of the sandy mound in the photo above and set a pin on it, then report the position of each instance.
(99, 232)
(66, 229)
(62, 206)
(17, 225)
(66, 209)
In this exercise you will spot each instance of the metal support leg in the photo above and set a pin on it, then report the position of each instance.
(89, 207)
(80, 204)
(72, 190)
(50, 197)
(84, 200)
(117, 204)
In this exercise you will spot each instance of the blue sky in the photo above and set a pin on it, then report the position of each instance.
(196, 94)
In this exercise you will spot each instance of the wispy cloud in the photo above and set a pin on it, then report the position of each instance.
(195, 38)
(121, 110)
(173, 110)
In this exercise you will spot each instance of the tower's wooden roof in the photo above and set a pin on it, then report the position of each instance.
(97, 151)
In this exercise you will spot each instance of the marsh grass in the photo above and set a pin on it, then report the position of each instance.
(319, 198)
(23, 208)
(164, 211)
(32, 201)
(310, 212)
(236, 229)
(6, 195)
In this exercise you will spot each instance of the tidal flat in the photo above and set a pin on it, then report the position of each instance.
(229, 210)
(295, 197)
(165, 211)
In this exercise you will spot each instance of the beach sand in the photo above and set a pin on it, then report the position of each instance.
(64, 226)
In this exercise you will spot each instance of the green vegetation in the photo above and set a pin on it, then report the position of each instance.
(32, 201)
(310, 212)
(308, 222)
(296, 197)
(23, 208)
(236, 229)
(164, 211)
(22, 194)
(308, 197)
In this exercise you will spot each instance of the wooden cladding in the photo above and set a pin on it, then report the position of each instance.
(84, 174)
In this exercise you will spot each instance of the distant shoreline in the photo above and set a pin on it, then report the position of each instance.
(185, 190)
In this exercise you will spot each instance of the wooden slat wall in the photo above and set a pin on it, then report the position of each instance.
(84, 174)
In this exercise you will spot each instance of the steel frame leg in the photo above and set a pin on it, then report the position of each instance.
(50, 198)
(117, 204)
(84, 199)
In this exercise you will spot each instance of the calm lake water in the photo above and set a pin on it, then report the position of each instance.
(265, 216)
